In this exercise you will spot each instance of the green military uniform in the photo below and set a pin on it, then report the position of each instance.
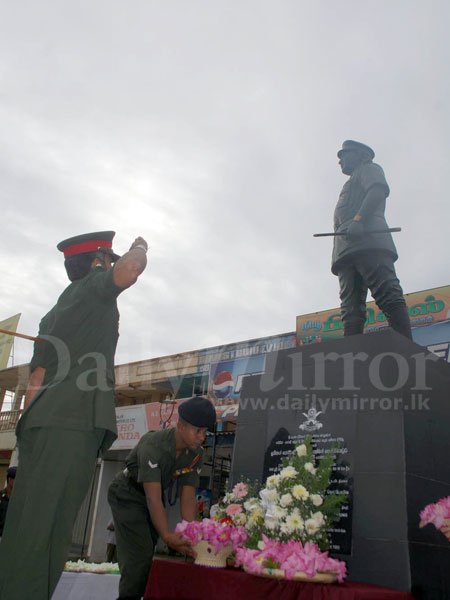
(60, 434)
(152, 460)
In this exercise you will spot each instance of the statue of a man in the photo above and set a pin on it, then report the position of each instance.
(363, 260)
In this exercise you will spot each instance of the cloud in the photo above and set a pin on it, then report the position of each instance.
(212, 129)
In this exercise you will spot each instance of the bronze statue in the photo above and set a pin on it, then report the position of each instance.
(365, 260)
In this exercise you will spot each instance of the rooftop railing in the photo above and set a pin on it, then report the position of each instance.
(9, 419)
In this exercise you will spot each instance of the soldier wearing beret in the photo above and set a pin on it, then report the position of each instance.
(69, 415)
(136, 494)
(363, 260)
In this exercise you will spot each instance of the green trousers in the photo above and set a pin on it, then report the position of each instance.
(136, 536)
(55, 470)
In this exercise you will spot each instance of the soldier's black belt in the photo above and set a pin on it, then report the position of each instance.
(135, 484)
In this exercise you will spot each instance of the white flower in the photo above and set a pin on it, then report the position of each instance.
(310, 468)
(253, 518)
(300, 492)
(285, 528)
(311, 526)
(271, 523)
(296, 512)
(272, 481)
(257, 512)
(315, 523)
(228, 498)
(251, 504)
(301, 450)
(294, 521)
(288, 473)
(316, 499)
(268, 496)
(286, 500)
(318, 518)
(276, 511)
(261, 544)
(240, 519)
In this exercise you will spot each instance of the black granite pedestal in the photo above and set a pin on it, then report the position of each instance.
(384, 403)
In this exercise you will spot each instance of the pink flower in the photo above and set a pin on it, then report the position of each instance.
(291, 557)
(338, 567)
(181, 527)
(435, 513)
(249, 559)
(426, 515)
(440, 514)
(238, 536)
(292, 565)
(233, 509)
(216, 534)
(240, 490)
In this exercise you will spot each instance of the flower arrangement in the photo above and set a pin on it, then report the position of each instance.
(293, 505)
(286, 520)
(438, 514)
(236, 504)
(290, 557)
(218, 535)
(80, 566)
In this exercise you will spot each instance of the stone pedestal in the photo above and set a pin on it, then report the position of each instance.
(384, 403)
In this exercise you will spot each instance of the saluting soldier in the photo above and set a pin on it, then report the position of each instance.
(69, 417)
(363, 260)
(136, 494)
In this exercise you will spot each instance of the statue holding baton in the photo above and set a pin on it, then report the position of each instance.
(364, 252)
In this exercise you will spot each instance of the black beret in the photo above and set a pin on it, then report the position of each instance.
(352, 145)
(89, 242)
(11, 472)
(198, 411)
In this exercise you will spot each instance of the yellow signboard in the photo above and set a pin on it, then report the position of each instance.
(6, 341)
(424, 308)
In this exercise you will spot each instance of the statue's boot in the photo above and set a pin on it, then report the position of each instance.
(399, 320)
(353, 326)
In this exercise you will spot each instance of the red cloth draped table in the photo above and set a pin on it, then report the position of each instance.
(179, 580)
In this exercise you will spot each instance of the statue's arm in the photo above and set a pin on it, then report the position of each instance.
(373, 199)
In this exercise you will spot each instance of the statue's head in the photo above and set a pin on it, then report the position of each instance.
(352, 154)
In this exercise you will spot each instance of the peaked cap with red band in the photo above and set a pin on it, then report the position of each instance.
(99, 241)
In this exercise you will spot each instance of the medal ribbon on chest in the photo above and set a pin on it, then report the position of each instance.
(188, 469)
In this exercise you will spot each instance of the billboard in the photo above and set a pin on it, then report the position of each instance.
(436, 338)
(225, 383)
(162, 415)
(224, 368)
(229, 365)
(131, 426)
(425, 308)
(6, 341)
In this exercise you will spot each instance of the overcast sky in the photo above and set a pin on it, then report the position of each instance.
(211, 128)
